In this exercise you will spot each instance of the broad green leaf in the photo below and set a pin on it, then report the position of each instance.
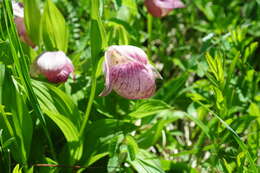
(146, 163)
(54, 28)
(56, 100)
(32, 16)
(69, 130)
(132, 147)
(148, 107)
(20, 123)
(66, 126)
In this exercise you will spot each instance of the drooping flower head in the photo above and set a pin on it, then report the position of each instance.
(19, 22)
(160, 8)
(55, 66)
(128, 73)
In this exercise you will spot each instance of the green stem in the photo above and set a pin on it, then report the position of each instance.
(98, 42)
(149, 30)
(90, 101)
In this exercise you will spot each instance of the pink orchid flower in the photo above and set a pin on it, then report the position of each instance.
(160, 8)
(55, 66)
(128, 73)
(19, 22)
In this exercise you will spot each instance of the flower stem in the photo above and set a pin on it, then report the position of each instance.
(149, 30)
(98, 42)
(90, 101)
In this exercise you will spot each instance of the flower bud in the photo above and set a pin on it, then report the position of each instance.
(128, 73)
(55, 66)
(160, 8)
(19, 22)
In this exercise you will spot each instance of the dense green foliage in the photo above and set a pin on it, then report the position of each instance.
(204, 117)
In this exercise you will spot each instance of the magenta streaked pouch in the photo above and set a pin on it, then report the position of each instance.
(55, 66)
(160, 8)
(128, 73)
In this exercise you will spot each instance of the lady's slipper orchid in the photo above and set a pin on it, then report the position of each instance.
(128, 73)
(19, 22)
(160, 8)
(55, 66)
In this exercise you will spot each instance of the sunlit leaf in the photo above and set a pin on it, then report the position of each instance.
(54, 28)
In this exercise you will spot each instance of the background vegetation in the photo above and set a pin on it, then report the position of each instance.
(204, 117)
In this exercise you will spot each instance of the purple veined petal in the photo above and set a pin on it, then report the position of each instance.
(125, 54)
(119, 55)
(128, 73)
(169, 4)
(133, 81)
